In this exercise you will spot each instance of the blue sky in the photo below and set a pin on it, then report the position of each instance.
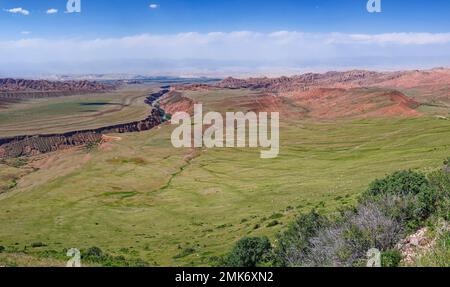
(110, 18)
(216, 32)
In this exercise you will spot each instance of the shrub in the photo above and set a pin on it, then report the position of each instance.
(294, 243)
(2, 249)
(406, 196)
(440, 181)
(346, 241)
(38, 244)
(273, 223)
(249, 252)
(399, 183)
(90, 146)
(93, 254)
(97, 256)
(276, 216)
(391, 258)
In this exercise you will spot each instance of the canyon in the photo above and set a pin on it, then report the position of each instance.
(38, 144)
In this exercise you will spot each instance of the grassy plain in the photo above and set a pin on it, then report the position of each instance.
(63, 114)
(141, 198)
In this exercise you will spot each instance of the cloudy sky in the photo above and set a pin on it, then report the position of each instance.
(203, 37)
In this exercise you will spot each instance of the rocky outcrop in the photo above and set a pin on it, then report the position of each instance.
(20, 85)
(415, 245)
(26, 89)
(420, 243)
(39, 144)
(305, 81)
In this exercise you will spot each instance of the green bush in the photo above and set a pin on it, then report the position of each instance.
(93, 253)
(399, 183)
(293, 243)
(90, 146)
(391, 258)
(2, 249)
(440, 181)
(391, 208)
(407, 196)
(96, 256)
(38, 244)
(347, 239)
(249, 252)
(276, 216)
(273, 223)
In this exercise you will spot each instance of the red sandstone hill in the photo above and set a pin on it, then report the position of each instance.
(349, 79)
(351, 94)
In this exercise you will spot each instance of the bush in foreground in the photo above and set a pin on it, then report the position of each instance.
(248, 252)
(390, 209)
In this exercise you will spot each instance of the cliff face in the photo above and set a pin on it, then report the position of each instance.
(33, 89)
(20, 85)
(33, 145)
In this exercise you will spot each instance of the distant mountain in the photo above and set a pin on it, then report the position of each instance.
(349, 79)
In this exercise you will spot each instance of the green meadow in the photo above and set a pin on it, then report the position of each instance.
(64, 114)
(142, 199)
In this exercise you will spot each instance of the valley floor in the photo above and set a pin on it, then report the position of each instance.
(142, 199)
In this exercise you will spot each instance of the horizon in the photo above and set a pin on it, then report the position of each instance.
(230, 38)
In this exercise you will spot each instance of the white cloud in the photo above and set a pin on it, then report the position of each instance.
(25, 32)
(393, 38)
(18, 10)
(288, 48)
(153, 6)
(52, 11)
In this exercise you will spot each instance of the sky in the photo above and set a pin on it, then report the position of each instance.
(205, 37)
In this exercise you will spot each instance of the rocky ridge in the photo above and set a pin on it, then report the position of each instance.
(39, 144)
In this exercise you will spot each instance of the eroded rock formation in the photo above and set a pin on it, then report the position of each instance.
(38, 144)
(32, 89)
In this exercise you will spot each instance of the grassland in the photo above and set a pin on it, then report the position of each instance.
(141, 198)
(63, 114)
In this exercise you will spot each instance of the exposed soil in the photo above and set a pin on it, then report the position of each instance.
(334, 95)
(175, 102)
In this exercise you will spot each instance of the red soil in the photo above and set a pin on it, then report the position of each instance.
(352, 94)
(175, 102)
(354, 103)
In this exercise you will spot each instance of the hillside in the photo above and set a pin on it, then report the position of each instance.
(136, 197)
